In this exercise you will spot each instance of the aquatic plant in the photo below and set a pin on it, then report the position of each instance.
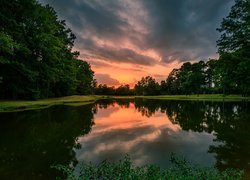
(124, 169)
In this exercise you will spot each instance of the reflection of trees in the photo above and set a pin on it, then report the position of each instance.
(147, 107)
(31, 141)
(105, 103)
(228, 121)
(233, 130)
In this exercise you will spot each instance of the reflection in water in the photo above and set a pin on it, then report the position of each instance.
(228, 122)
(146, 140)
(207, 133)
(31, 141)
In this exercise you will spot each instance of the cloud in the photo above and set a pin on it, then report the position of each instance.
(118, 55)
(136, 142)
(124, 31)
(106, 79)
(186, 30)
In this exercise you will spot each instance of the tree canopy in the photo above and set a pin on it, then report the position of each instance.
(234, 49)
(235, 28)
(36, 58)
(147, 86)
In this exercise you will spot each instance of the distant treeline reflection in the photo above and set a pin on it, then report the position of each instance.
(227, 121)
(50, 135)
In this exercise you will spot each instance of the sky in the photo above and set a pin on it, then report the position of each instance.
(124, 40)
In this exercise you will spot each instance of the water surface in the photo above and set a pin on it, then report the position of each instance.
(206, 133)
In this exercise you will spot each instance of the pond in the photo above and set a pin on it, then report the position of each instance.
(213, 134)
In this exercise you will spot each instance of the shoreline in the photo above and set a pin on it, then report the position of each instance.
(24, 105)
(78, 100)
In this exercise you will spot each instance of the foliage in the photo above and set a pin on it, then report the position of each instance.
(10, 106)
(233, 46)
(33, 140)
(235, 28)
(123, 90)
(103, 89)
(36, 58)
(37, 61)
(147, 86)
(230, 74)
(125, 170)
(196, 78)
(227, 121)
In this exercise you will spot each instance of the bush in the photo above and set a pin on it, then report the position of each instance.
(125, 170)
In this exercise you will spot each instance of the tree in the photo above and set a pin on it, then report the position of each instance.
(123, 90)
(172, 82)
(36, 57)
(184, 78)
(103, 89)
(233, 46)
(147, 86)
(197, 78)
(212, 76)
(163, 87)
(84, 76)
(235, 28)
(188, 79)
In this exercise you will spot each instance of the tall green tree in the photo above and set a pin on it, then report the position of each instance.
(212, 76)
(147, 86)
(36, 57)
(234, 49)
(189, 79)
(197, 78)
(235, 28)
(123, 90)
(173, 82)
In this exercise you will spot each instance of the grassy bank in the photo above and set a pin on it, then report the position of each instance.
(202, 97)
(10, 106)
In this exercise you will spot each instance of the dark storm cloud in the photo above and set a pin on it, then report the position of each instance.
(124, 55)
(182, 30)
(94, 51)
(103, 63)
(186, 30)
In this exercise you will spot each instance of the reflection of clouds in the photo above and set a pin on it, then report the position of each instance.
(123, 131)
(105, 113)
(192, 145)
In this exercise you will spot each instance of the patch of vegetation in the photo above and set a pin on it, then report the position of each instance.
(77, 100)
(203, 97)
(37, 59)
(125, 170)
(9, 106)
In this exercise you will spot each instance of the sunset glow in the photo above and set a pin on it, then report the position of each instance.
(125, 40)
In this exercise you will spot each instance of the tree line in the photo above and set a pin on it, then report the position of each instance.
(104, 89)
(37, 60)
(230, 74)
(36, 57)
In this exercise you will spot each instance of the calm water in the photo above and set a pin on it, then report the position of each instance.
(206, 133)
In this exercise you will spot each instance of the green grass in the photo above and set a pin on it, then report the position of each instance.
(10, 106)
(124, 169)
(203, 97)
